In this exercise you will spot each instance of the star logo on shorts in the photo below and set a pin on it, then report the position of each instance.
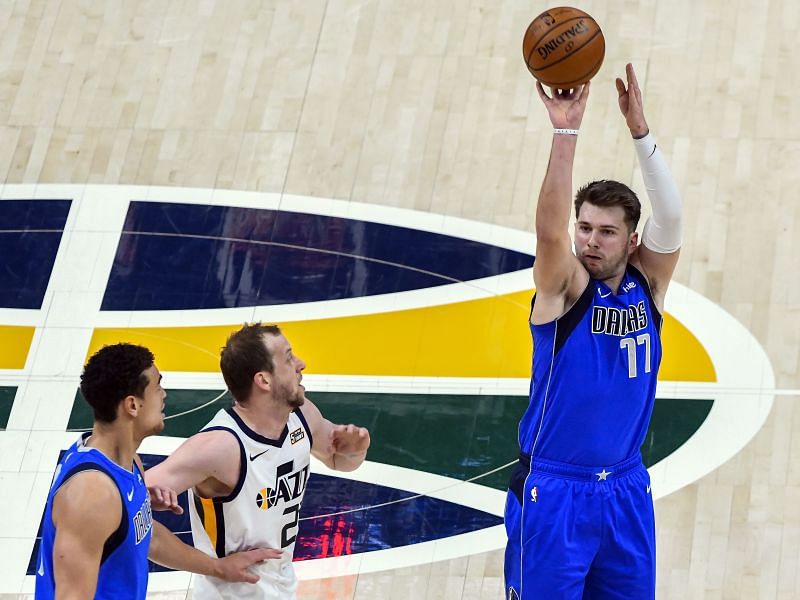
(601, 476)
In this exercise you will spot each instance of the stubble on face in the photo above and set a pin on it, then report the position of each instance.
(605, 269)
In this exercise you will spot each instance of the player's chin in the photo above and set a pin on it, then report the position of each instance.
(593, 267)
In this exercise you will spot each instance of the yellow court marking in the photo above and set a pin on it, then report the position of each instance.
(15, 343)
(488, 337)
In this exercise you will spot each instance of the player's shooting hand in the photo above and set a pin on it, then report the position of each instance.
(565, 107)
(164, 498)
(630, 103)
(349, 440)
(235, 567)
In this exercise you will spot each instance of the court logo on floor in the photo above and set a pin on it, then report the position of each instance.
(412, 324)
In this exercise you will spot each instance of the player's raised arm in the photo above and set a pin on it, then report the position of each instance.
(661, 238)
(557, 272)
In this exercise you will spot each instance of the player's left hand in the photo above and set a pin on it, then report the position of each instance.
(164, 498)
(349, 440)
(630, 103)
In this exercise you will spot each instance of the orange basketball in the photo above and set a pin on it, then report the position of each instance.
(563, 47)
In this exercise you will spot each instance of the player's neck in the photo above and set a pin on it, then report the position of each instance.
(614, 282)
(263, 417)
(115, 441)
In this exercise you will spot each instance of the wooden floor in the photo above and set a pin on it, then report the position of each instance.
(427, 104)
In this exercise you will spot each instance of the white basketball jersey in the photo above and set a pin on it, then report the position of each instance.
(262, 511)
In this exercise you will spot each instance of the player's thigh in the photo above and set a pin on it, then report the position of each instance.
(559, 535)
(625, 566)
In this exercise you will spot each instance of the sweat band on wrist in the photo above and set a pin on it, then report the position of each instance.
(561, 131)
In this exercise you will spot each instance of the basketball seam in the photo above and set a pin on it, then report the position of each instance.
(563, 85)
(536, 43)
(552, 64)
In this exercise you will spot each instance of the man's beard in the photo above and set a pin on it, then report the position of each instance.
(602, 272)
(293, 397)
(297, 399)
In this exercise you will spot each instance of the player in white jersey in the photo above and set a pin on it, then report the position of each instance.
(248, 468)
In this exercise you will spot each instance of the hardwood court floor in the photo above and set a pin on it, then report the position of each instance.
(427, 105)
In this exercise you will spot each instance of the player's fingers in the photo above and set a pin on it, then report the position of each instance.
(631, 74)
(248, 577)
(542, 94)
(584, 92)
(262, 554)
(620, 86)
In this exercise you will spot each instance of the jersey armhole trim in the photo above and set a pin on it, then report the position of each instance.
(242, 465)
(567, 322)
(642, 280)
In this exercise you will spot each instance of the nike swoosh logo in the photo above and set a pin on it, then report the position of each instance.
(602, 295)
(648, 489)
(255, 456)
(130, 495)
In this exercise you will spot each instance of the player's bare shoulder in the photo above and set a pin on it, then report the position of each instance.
(550, 304)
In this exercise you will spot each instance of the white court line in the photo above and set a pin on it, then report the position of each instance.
(745, 388)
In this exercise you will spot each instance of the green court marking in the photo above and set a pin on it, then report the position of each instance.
(178, 401)
(7, 395)
(457, 436)
(466, 436)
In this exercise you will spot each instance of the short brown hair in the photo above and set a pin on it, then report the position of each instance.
(244, 355)
(606, 193)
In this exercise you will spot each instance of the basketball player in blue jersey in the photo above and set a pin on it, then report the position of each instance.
(579, 513)
(248, 468)
(98, 530)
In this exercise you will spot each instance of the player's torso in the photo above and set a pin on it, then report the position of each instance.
(123, 570)
(262, 511)
(594, 376)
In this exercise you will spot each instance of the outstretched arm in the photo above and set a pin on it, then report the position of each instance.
(557, 273)
(339, 447)
(210, 455)
(658, 253)
(206, 456)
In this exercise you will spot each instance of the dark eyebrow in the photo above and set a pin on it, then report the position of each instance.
(614, 227)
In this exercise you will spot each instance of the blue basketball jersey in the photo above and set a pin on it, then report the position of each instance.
(123, 566)
(594, 376)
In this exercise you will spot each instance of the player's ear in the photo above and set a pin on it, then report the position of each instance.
(633, 243)
(262, 381)
(129, 405)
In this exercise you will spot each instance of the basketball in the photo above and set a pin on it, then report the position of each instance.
(563, 47)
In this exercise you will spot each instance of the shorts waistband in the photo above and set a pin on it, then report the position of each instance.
(582, 473)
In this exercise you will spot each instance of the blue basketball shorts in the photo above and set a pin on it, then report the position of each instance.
(580, 533)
